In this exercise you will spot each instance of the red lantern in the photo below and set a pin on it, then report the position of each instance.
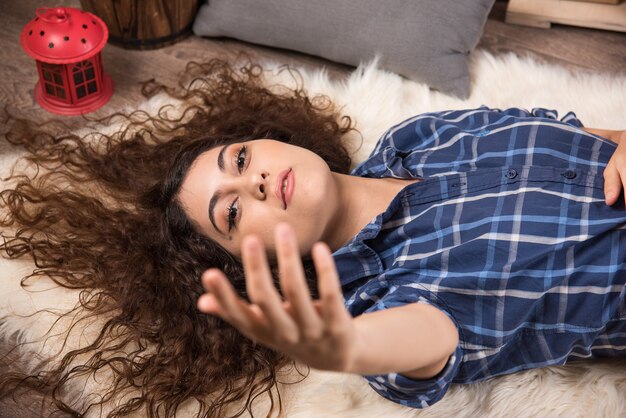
(66, 42)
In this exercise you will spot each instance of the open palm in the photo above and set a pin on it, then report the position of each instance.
(319, 333)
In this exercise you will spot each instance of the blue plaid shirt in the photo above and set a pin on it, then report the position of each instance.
(507, 234)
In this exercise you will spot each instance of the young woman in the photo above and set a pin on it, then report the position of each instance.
(470, 244)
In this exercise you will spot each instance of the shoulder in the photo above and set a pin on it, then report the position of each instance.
(414, 132)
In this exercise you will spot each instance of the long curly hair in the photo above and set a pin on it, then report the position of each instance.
(99, 213)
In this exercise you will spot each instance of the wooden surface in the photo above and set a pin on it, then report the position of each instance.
(572, 47)
(144, 24)
(575, 48)
(543, 13)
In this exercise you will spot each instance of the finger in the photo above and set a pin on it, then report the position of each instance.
(329, 286)
(208, 304)
(204, 279)
(612, 184)
(227, 304)
(262, 292)
(293, 282)
(317, 304)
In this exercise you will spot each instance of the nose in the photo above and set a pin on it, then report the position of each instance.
(259, 185)
(252, 184)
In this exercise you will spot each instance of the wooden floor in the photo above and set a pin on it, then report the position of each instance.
(575, 48)
(569, 46)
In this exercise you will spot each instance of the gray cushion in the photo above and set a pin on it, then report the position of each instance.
(424, 40)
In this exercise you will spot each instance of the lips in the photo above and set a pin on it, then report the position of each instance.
(285, 178)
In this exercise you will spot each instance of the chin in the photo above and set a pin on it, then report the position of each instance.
(305, 250)
(303, 237)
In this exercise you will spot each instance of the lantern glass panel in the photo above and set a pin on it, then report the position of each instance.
(80, 92)
(78, 78)
(60, 92)
(49, 89)
(47, 76)
(89, 74)
(91, 87)
(58, 79)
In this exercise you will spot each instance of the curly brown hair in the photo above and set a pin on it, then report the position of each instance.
(99, 213)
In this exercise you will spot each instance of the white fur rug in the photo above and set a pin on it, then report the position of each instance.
(376, 100)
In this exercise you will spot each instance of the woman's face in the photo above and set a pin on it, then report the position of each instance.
(234, 190)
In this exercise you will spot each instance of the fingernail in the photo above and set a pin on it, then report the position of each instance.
(213, 281)
(210, 271)
(252, 243)
(207, 303)
(322, 249)
(205, 276)
(284, 231)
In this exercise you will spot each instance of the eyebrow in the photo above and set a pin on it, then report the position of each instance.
(216, 196)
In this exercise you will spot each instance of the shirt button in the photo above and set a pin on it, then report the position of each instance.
(511, 174)
(569, 174)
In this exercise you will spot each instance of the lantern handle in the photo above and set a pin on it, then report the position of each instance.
(58, 17)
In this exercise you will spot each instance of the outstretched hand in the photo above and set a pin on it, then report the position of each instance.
(320, 333)
(615, 171)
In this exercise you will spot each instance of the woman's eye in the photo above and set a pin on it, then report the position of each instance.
(233, 211)
(241, 158)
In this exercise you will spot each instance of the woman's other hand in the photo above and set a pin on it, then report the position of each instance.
(615, 171)
(319, 333)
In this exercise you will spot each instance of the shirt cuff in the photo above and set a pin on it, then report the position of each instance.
(413, 392)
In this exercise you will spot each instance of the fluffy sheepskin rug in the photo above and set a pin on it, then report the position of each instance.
(376, 99)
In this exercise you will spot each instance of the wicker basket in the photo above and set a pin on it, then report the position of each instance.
(144, 24)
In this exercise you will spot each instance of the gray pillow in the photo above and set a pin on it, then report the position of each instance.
(424, 40)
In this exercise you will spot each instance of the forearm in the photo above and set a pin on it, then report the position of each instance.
(415, 340)
(614, 136)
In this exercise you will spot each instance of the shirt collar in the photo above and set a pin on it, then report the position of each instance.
(355, 259)
(388, 162)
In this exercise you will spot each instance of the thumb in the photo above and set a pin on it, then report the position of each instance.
(612, 184)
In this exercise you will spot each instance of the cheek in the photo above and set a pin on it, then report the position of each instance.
(307, 214)
(260, 220)
(265, 220)
(313, 196)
